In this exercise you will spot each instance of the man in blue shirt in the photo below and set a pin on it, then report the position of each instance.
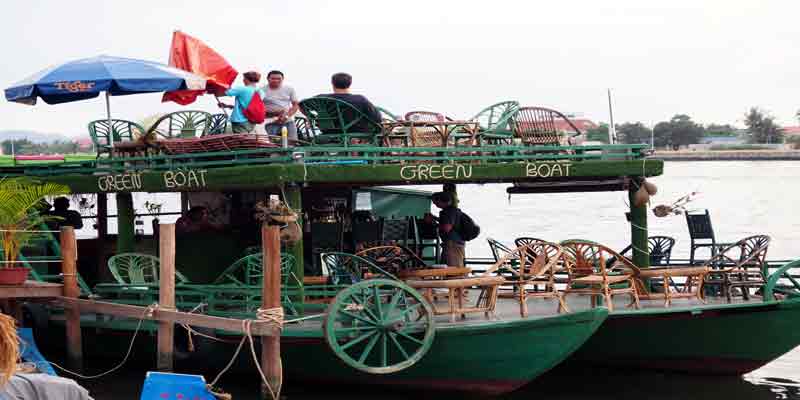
(242, 96)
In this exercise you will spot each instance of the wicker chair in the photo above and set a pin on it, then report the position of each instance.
(499, 250)
(531, 264)
(742, 265)
(425, 136)
(121, 130)
(538, 126)
(495, 122)
(591, 274)
(218, 124)
(393, 259)
(339, 122)
(249, 271)
(181, 124)
(137, 268)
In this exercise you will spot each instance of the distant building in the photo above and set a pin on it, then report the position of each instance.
(791, 131)
(722, 140)
(84, 144)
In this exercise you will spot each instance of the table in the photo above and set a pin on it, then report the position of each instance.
(441, 128)
(693, 288)
(456, 288)
(435, 273)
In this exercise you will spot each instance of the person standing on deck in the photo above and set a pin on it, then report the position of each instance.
(341, 90)
(66, 217)
(281, 103)
(242, 95)
(449, 219)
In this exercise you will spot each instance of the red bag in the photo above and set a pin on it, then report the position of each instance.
(255, 112)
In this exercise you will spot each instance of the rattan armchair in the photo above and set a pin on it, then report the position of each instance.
(590, 273)
(740, 265)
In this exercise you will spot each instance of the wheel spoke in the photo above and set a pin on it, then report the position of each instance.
(410, 309)
(368, 348)
(354, 329)
(384, 350)
(364, 306)
(411, 338)
(377, 298)
(358, 317)
(397, 344)
(413, 328)
(393, 303)
(358, 340)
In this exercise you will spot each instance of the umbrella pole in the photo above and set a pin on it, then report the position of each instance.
(110, 127)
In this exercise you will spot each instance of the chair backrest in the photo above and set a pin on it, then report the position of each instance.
(699, 225)
(304, 129)
(334, 116)
(497, 117)
(534, 260)
(347, 269)
(387, 115)
(392, 259)
(218, 124)
(523, 241)
(584, 257)
(539, 125)
(499, 250)
(660, 249)
(394, 229)
(249, 271)
(182, 124)
(121, 130)
(425, 116)
(137, 268)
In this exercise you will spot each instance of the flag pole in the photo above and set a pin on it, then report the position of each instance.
(110, 126)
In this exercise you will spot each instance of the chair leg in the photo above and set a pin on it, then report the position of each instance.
(451, 300)
(523, 306)
(607, 298)
(562, 305)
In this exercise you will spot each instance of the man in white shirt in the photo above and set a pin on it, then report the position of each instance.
(281, 103)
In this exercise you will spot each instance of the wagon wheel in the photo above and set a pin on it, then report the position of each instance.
(379, 326)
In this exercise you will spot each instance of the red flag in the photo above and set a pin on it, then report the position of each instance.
(190, 54)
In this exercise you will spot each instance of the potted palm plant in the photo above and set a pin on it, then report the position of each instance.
(20, 218)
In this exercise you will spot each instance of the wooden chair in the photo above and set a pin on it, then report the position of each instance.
(425, 136)
(120, 130)
(339, 122)
(495, 122)
(742, 265)
(589, 273)
(137, 268)
(218, 124)
(524, 241)
(532, 264)
(181, 124)
(393, 259)
(249, 271)
(499, 250)
(541, 126)
(701, 233)
(387, 115)
(660, 248)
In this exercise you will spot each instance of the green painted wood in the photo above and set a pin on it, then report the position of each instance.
(639, 236)
(294, 201)
(247, 177)
(715, 339)
(125, 223)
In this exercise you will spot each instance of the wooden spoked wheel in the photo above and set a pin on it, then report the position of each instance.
(379, 326)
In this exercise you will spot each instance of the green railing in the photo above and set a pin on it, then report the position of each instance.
(351, 155)
(782, 281)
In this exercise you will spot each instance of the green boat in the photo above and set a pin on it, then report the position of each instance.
(331, 186)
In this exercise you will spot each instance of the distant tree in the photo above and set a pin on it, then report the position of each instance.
(797, 115)
(761, 127)
(634, 133)
(678, 131)
(721, 130)
(598, 134)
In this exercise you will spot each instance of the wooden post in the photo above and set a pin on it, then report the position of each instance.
(166, 295)
(102, 215)
(271, 298)
(641, 249)
(125, 222)
(69, 256)
(294, 201)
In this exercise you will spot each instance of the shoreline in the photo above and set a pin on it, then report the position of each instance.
(730, 155)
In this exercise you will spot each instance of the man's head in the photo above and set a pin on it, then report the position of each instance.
(341, 82)
(251, 77)
(442, 199)
(198, 214)
(275, 79)
(61, 204)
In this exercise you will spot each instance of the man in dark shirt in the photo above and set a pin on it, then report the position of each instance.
(341, 90)
(449, 221)
(66, 216)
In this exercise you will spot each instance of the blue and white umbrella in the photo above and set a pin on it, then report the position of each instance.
(86, 78)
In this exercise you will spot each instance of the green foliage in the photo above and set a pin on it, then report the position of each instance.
(598, 134)
(718, 130)
(25, 146)
(761, 127)
(20, 203)
(678, 131)
(724, 147)
(634, 133)
(794, 140)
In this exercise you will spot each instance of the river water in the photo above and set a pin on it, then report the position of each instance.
(744, 198)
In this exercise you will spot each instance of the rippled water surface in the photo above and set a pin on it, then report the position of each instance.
(744, 198)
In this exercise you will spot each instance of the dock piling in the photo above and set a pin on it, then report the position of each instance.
(69, 256)
(166, 296)
(271, 298)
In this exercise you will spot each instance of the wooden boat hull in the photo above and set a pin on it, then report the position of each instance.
(730, 339)
(491, 358)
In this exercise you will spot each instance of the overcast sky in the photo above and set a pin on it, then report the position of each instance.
(709, 59)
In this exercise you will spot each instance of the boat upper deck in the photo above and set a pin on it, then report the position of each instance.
(542, 168)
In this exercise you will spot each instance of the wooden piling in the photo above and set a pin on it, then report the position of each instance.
(166, 295)
(295, 201)
(271, 298)
(126, 221)
(69, 256)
